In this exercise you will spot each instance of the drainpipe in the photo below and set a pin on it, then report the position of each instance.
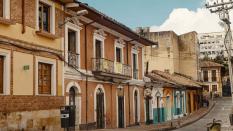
(85, 28)
(23, 16)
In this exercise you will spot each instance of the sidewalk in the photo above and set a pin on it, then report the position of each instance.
(169, 125)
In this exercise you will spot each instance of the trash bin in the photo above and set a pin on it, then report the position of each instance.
(67, 116)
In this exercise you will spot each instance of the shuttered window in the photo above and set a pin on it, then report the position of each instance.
(44, 78)
(1, 73)
(1, 8)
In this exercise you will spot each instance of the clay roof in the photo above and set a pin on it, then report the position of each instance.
(210, 64)
(174, 79)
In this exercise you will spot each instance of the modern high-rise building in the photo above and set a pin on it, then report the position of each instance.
(212, 45)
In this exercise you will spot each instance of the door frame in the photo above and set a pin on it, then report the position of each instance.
(138, 105)
(99, 86)
(77, 99)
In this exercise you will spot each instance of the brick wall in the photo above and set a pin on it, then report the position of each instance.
(29, 103)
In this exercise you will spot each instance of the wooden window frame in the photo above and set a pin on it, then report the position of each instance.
(41, 25)
(53, 75)
(52, 16)
(6, 71)
(204, 76)
(213, 78)
(42, 73)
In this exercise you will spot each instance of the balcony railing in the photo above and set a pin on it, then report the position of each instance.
(111, 67)
(135, 74)
(73, 59)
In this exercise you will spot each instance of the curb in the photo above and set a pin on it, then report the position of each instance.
(185, 124)
(188, 123)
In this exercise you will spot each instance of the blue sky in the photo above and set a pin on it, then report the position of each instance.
(134, 13)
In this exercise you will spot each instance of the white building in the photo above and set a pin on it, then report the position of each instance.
(212, 44)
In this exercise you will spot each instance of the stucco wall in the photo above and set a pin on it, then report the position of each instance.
(23, 79)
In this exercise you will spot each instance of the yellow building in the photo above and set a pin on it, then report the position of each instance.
(31, 66)
(211, 77)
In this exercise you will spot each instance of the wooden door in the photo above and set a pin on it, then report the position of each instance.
(121, 112)
(100, 109)
(147, 111)
(136, 107)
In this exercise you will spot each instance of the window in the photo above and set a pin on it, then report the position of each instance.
(206, 88)
(1, 8)
(1, 74)
(44, 78)
(118, 55)
(98, 49)
(205, 75)
(214, 75)
(214, 88)
(71, 41)
(135, 66)
(44, 17)
(73, 56)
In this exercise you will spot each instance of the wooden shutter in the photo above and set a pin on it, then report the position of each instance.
(98, 49)
(1, 8)
(44, 78)
(72, 41)
(1, 73)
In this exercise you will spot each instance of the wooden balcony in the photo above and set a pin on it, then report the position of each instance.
(110, 70)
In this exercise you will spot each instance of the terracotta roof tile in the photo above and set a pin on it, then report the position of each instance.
(174, 79)
(210, 64)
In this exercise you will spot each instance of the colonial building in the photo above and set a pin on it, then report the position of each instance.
(104, 74)
(172, 96)
(211, 77)
(31, 64)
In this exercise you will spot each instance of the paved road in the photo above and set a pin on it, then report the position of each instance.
(219, 112)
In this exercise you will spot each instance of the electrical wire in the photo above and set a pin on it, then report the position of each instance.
(39, 50)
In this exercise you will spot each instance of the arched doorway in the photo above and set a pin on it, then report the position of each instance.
(100, 120)
(136, 110)
(72, 96)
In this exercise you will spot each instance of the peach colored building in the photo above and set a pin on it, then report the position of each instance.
(104, 73)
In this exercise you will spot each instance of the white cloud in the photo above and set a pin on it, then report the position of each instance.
(182, 20)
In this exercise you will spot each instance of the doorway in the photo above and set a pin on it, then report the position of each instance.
(100, 109)
(136, 107)
(121, 108)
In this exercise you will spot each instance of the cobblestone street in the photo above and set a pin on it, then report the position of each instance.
(219, 112)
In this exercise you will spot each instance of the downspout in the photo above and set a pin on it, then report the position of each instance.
(23, 16)
(86, 84)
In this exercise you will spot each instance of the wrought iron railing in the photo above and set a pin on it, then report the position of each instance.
(73, 59)
(108, 66)
(135, 73)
